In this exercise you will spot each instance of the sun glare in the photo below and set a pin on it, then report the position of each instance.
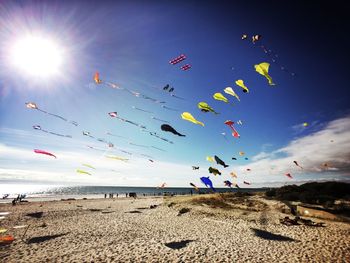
(36, 56)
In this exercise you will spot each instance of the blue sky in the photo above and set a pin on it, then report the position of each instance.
(130, 44)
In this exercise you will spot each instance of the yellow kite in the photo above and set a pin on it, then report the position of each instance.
(240, 83)
(82, 172)
(263, 69)
(88, 165)
(231, 92)
(210, 159)
(188, 117)
(219, 96)
(117, 158)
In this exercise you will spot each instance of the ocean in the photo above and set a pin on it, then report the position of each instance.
(54, 192)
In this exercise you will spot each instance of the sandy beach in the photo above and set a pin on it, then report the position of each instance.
(128, 230)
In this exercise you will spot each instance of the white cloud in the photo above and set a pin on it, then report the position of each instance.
(329, 145)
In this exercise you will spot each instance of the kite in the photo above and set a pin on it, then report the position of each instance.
(88, 165)
(159, 137)
(38, 127)
(244, 37)
(188, 116)
(167, 88)
(234, 158)
(263, 69)
(210, 159)
(241, 84)
(33, 106)
(117, 158)
(178, 59)
(305, 124)
(173, 95)
(204, 107)
(221, 162)
(86, 133)
(115, 115)
(256, 38)
(141, 109)
(241, 153)
(139, 145)
(151, 160)
(289, 175)
(195, 167)
(233, 174)
(44, 152)
(248, 169)
(83, 172)
(168, 128)
(239, 122)
(234, 132)
(186, 67)
(145, 155)
(246, 158)
(168, 108)
(207, 182)
(296, 163)
(159, 149)
(115, 135)
(162, 185)
(219, 96)
(224, 134)
(228, 183)
(97, 78)
(214, 171)
(231, 92)
(194, 186)
(125, 152)
(154, 118)
(246, 183)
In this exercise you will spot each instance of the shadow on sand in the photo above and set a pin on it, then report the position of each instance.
(40, 239)
(270, 236)
(178, 245)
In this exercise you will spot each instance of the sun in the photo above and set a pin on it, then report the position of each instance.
(37, 56)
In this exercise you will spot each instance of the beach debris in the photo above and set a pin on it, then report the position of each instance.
(263, 69)
(38, 128)
(230, 124)
(3, 230)
(168, 128)
(19, 226)
(134, 212)
(6, 240)
(95, 210)
(195, 167)
(43, 238)
(44, 152)
(271, 236)
(214, 171)
(4, 213)
(188, 117)
(207, 182)
(240, 83)
(221, 162)
(219, 96)
(204, 107)
(35, 215)
(152, 206)
(178, 245)
(183, 210)
(33, 106)
(230, 91)
(298, 221)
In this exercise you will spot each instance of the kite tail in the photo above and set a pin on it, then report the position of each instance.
(225, 165)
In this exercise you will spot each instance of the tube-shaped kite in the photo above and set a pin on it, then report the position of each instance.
(263, 69)
(219, 96)
(231, 92)
(188, 117)
(241, 84)
(234, 132)
(44, 152)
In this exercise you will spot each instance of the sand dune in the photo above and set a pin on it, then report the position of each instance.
(127, 230)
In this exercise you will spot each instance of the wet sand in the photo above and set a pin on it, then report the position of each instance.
(127, 230)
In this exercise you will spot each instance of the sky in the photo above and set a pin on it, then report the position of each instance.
(130, 44)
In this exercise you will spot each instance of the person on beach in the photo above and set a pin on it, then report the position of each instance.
(126, 194)
(105, 195)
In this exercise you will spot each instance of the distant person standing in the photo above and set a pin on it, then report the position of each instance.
(126, 194)
(105, 195)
